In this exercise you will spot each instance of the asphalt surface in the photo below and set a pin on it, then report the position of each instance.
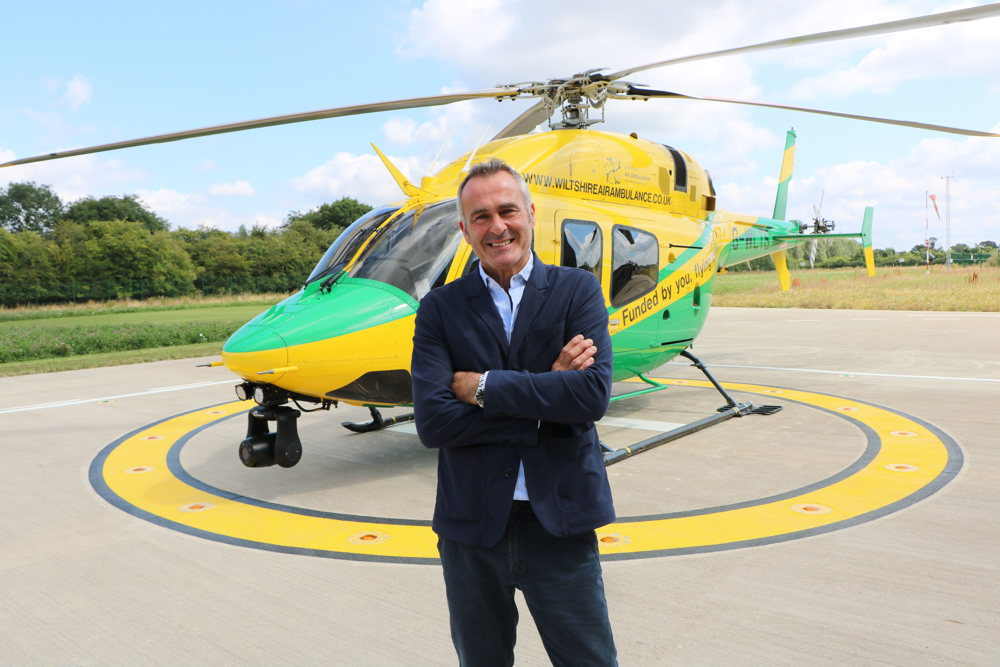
(92, 572)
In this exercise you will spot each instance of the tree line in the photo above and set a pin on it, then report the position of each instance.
(114, 247)
(839, 253)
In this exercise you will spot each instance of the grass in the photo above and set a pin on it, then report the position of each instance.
(89, 309)
(56, 338)
(35, 341)
(893, 288)
(101, 360)
(41, 340)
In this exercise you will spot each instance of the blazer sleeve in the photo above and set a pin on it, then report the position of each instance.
(565, 397)
(441, 419)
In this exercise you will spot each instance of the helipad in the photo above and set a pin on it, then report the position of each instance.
(857, 525)
(903, 462)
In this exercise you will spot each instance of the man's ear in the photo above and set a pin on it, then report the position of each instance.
(461, 225)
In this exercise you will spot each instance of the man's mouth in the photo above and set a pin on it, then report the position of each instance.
(500, 244)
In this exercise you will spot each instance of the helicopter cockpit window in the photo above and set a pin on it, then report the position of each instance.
(634, 264)
(414, 252)
(346, 245)
(582, 246)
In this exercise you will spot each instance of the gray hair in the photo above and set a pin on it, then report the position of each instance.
(488, 168)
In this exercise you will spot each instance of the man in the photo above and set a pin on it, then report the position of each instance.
(511, 368)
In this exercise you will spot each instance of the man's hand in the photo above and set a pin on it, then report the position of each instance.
(576, 355)
(465, 384)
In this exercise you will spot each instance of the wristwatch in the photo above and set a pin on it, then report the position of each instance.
(481, 390)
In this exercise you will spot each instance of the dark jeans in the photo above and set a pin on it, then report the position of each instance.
(560, 578)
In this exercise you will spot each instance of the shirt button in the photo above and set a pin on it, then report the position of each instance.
(508, 473)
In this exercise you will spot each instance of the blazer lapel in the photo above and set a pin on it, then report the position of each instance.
(479, 302)
(531, 302)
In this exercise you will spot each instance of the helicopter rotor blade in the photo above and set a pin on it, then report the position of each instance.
(817, 208)
(411, 103)
(526, 122)
(944, 18)
(634, 92)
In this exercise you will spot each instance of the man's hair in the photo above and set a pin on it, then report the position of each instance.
(488, 168)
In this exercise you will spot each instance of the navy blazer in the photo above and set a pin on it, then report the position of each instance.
(541, 417)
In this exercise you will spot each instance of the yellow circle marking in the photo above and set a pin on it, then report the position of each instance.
(903, 445)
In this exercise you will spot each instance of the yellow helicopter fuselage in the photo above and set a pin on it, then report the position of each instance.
(638, 214)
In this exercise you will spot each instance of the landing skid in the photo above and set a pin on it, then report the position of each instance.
(378, 422)
(728, 411)
(263, 448)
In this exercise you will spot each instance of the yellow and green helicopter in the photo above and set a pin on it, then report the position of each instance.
(638, 214)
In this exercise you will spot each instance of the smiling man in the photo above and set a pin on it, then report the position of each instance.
(501, 221)
(511, 368)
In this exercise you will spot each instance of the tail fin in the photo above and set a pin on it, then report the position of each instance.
(781, 266)
(866, 240)
(781, 206)
(781, 199)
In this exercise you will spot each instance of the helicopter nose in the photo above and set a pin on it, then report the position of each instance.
(329, 344)
(266, 358)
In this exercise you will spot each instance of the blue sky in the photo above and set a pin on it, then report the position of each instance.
(79, 74)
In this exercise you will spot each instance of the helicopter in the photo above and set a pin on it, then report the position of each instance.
(639, 214)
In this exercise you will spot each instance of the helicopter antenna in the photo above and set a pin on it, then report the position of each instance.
(437, 157)
(475, 150)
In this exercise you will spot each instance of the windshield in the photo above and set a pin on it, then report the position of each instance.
(346, 245)
(414, 252)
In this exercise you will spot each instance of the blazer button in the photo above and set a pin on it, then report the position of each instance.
(508, 473)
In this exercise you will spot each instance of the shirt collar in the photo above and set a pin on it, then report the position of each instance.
(521, 276)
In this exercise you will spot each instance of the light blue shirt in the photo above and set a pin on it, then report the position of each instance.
(507, 302)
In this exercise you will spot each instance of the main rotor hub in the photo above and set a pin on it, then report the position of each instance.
(576, 96)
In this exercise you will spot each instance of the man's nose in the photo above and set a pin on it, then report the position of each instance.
(497, 224)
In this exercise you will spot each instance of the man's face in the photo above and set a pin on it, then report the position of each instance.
(497, 224)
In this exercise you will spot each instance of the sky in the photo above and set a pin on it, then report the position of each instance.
(81, 74)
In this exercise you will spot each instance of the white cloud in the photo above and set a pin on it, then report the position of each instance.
(78, 92)
(546, 40)
(961, 49)
(192, 211)
(173, 205)
(78, 177)
(447, 131)
(237, 189)
(406, 131)
(362, 177)
(443, 28)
